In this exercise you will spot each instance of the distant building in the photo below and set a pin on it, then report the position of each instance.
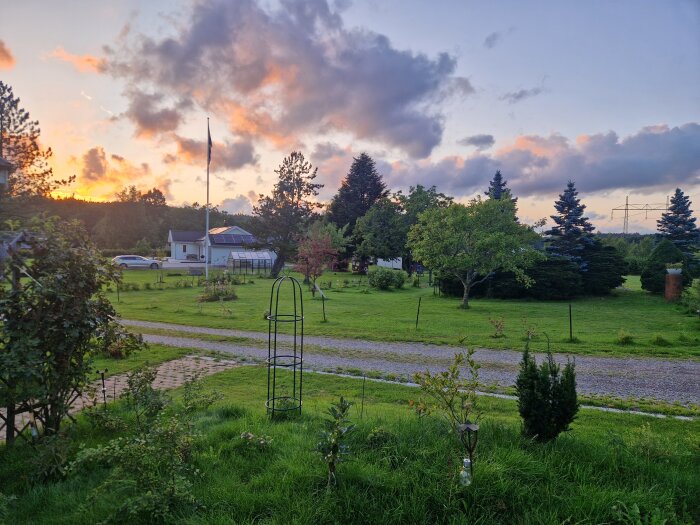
(225, 243)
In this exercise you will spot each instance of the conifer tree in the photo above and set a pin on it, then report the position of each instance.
(361, 188)
(678, 224)
(498, 188)
(572, 232)
(19, 144)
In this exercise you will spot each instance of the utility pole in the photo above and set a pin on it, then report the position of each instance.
(638, 209)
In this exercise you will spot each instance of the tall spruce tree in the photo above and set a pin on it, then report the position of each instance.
(678, 224)
(498, 188)
(361, 188)
(573, 232)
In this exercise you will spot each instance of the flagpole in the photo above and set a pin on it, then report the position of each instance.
(206, 227)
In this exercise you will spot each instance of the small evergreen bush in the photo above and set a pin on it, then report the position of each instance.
(654, 275)
(547, 400)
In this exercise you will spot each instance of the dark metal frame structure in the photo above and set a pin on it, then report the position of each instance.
(293, 359)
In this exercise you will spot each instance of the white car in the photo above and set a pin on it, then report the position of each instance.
(135, 261)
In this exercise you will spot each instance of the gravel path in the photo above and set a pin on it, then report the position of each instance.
(659, 379)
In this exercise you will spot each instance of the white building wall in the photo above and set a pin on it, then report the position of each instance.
(394, 264)
(180, 253)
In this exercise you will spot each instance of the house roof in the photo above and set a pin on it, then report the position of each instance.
(226, 238)
(186, 236)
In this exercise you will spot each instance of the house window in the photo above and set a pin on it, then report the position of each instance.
(184, 248)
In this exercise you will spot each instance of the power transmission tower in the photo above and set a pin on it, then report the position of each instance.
(637, 209)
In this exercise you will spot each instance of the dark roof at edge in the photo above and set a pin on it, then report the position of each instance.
(186, 236)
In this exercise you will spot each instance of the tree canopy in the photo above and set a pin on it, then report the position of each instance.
(498, 188)
(19, 144)
(382, 231)
(360, 189)
(470, 242)
(284, 215)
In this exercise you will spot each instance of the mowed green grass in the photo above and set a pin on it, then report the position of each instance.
(657, 327)
(606, 461)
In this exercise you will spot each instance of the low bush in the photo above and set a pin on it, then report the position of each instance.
(217, 292)
(115, 341)
(384, 278)
(624, 337)
(547, 401)
(381, 278)
(659, 340)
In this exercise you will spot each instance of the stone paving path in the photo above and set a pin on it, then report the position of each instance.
(170, 374)
(670, 380)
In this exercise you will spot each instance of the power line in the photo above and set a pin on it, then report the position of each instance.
(642, 208)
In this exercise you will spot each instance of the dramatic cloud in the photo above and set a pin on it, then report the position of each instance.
(225, 156)
(281, 73)
(480, 142)
(7, 61)
(83, 63)
(657, 158)
(238, 204)
(514, 97)
(102, 175)
(150, 119)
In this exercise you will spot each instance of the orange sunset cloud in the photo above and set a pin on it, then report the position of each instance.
(7, 61)
(83, 63)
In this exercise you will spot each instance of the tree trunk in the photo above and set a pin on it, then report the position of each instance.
(465, 297)
(277, 266)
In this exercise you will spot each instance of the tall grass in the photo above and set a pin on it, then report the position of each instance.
(607, 461)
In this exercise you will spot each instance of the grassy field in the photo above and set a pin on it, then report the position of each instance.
(607, 462)
(629, 322)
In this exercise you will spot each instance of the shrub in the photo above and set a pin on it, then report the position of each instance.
(451, 394)
(399, 278)
(690, 299)
(659, 340)
(499, 325)
(547, 401)
(624, 337)
(217, 292)
(416, 281)
(654, 274)
(332, 445)
(381, 278)
(115, 341)
(380, 437)
(604, 271)
(50, 461)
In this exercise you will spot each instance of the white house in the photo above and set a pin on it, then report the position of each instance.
(223, 242)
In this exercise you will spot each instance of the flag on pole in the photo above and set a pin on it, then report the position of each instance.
(208, 144)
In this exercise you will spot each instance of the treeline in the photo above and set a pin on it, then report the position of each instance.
(135, 222)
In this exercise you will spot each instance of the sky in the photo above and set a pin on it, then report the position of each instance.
(605, 93)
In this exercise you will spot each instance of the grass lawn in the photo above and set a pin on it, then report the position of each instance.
(606, 461)
(655, 327)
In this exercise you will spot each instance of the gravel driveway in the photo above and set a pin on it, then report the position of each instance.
(660, 379)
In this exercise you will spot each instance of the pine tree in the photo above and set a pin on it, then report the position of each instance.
(498, 188)
(19, 144)
(572, 232)
(678, 224)
(361, 188)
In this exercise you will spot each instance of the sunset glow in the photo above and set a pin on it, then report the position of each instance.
(123, 90)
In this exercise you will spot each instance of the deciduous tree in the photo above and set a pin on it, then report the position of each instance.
(287, 212)
(470, 242)
(382, 230)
